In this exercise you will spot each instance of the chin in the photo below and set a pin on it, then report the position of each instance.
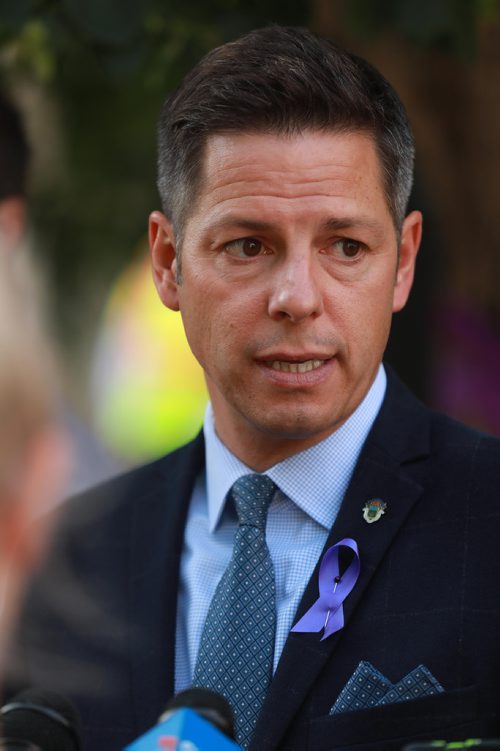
(295, 427)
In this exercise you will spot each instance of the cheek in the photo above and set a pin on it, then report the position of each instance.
(207, 330)
(197, 329)
(367, 320)
(378, 326)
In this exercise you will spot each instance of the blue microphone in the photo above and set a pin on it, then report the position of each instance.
(195, 720)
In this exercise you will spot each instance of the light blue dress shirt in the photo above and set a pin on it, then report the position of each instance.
(311, 486)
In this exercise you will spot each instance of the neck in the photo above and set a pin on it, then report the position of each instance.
(260, 451)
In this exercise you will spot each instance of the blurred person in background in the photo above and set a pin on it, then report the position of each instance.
(14, 157)
(92, 463)
(33, 451)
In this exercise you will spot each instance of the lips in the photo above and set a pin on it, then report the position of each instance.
(285, 366)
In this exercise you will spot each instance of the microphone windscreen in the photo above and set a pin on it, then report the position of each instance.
(44, 718)
(209, 704)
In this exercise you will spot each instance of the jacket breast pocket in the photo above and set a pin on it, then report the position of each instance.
(393, 725)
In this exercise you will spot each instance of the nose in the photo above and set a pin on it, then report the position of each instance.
(295, 293)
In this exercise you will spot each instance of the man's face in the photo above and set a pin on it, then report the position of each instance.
(290, 278)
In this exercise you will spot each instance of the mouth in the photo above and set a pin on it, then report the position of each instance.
(285, 366)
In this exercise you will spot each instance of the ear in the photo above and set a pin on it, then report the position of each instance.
(410, 241)
(163, 259)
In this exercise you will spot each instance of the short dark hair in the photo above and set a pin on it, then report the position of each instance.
(280, 80)
(14, 151)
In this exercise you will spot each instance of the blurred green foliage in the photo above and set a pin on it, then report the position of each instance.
(450, 25)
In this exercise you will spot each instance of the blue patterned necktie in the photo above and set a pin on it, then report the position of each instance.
(236, 650)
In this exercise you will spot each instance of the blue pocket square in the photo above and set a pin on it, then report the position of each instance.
(367, 687)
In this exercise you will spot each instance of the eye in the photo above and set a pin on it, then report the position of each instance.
(346, 249)
(244, 247)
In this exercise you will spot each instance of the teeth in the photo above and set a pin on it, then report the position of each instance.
(295, 367)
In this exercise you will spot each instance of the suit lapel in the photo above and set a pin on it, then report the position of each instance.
(378, 474)
(157, 534)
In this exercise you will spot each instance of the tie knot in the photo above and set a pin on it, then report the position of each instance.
(252, 495)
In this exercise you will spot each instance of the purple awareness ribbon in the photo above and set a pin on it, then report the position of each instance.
(327, 612)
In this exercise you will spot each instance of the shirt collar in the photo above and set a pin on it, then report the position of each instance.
(318, 493)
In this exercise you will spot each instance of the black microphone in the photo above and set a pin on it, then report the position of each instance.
(208, 704)
(38, 720)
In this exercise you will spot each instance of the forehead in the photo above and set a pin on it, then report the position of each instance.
(305, 170)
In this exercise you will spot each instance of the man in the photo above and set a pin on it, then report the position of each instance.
(285, 166)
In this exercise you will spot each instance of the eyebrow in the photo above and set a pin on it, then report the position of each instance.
(342, 223)
(329, 225)
(250, 224)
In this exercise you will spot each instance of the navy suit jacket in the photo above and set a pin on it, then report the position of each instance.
(100, 621)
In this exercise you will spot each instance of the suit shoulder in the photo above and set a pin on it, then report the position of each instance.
(467, 456)
(450, 433)
(117, 498)
(442, 451)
